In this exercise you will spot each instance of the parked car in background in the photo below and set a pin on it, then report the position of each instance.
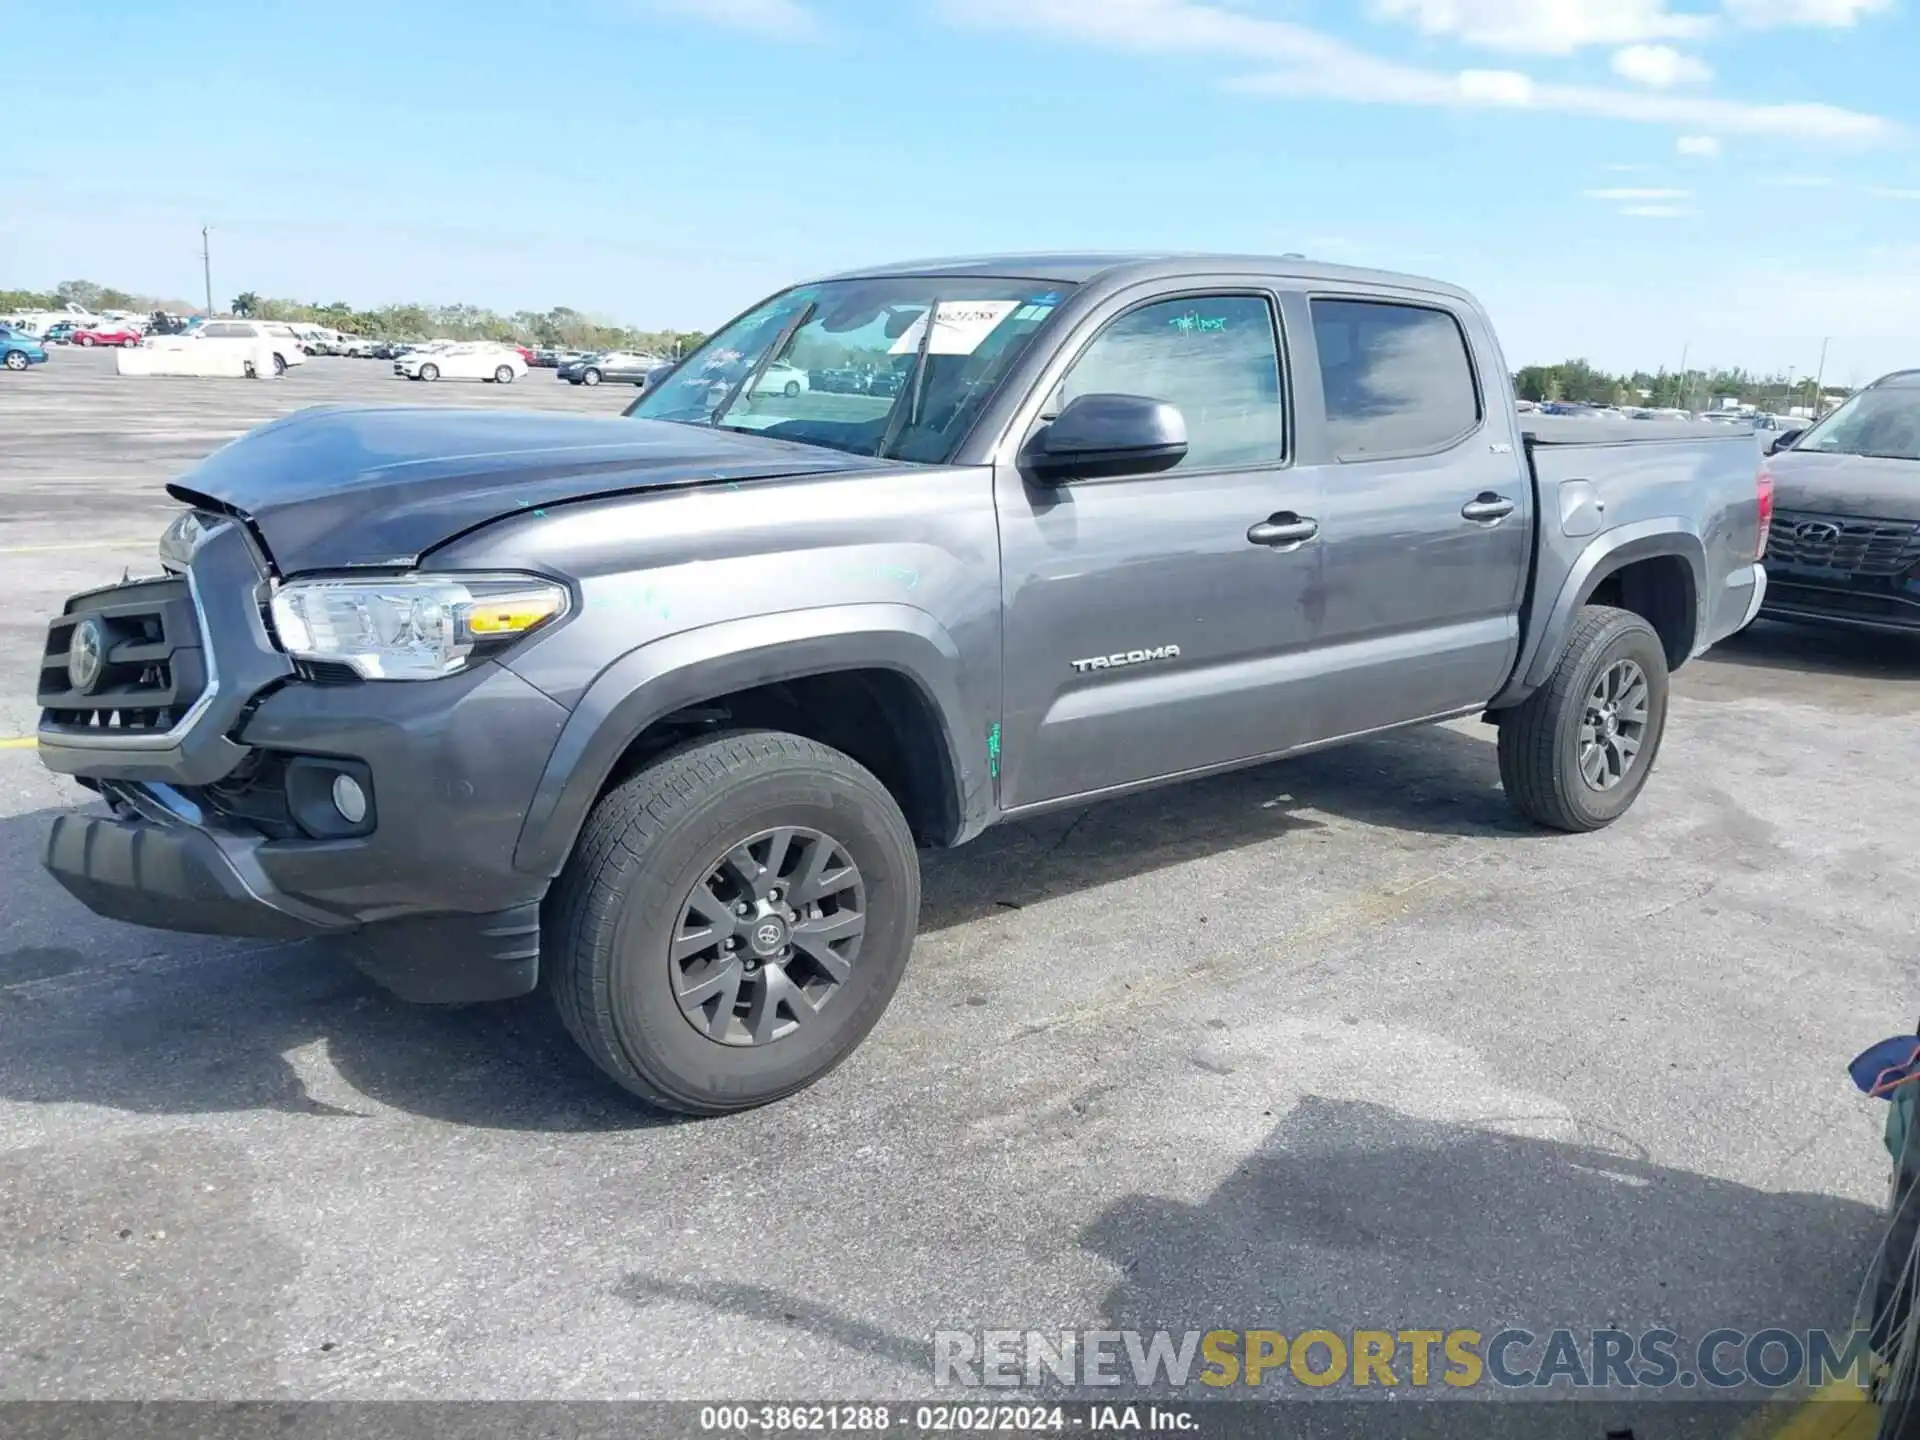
(60, 332)
(111, 334)
(662, 709)
(1845, 547)
(254, 342)
(627, 367)
(18, 350)
(477, 360)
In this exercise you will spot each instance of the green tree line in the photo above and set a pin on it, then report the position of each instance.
(562, 325)
(1581, 383)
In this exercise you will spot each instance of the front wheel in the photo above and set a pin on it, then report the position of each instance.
(733, 921)
(503, 376)
(429, 372)
(791, 389)
(16, 360)
(85, 342)
(589, 377)
(1575, 754)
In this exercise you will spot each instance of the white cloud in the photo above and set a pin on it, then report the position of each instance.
(1655, 212)
(1546, 27)
(1893, 192)
(1829, 14)
(784, 19)
(1795, 182)
(1313, 64)
(1640, 195)
(1698, 147)
(1659, 66)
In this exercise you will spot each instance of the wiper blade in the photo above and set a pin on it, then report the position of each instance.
(908, 405)
(773, 352)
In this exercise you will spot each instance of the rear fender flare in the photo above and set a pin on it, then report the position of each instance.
(680, 670)
(1607, 553)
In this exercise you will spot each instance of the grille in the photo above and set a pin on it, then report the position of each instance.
(155, 668)
(1804, 541)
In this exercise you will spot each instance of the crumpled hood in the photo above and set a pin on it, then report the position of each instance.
(1862, 485)
(332, 488)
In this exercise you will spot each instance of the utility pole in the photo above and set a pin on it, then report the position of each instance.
(1820, 376)
(206, 264)
(1680, 400)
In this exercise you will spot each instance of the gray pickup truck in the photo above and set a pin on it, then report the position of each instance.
(662, 706)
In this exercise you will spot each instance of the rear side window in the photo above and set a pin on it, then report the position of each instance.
(1215, 357)
(1397, 378)
(223, 332)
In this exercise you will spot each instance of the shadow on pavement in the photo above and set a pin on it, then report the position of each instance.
(1821, 650)
(159, 1023)
(1420, 1224)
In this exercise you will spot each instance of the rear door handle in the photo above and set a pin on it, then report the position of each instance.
(1487, 506)
(1284, 531)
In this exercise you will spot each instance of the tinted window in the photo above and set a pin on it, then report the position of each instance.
(1215, 357)
(225, 332)
(1397, 377)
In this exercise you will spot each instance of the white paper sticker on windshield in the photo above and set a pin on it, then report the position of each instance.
(959, 328)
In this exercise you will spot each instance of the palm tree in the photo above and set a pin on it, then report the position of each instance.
(245, 302)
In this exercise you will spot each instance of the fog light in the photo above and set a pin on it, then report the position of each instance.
(349, 799)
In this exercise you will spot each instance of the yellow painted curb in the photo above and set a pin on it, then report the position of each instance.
(1839, 1410)
(19, 742)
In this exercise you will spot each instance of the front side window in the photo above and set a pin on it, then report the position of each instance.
(1215, 358)
(1397, 378)
(853, 364)
(1883, 422)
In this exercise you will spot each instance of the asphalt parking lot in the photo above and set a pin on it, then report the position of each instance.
(1337, 1043)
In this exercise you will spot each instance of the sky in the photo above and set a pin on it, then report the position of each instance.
(1628, 181)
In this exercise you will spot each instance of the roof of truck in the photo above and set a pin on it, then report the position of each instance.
(1076, 267)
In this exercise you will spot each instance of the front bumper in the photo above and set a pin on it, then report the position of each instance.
(210, 832)
(1884, 604)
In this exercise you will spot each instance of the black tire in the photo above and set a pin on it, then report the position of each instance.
(646, 847)
(129, 344)
(16, 360)
(85, 342)
(429, 372)
(279, 363)
(589, 377)
(503, 376)
(1541, 739)
(791, 390)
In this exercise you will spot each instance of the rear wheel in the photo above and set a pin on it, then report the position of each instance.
(85, 342)
(130, 343)
(279, 363)
(733, 921)
(1576, 753)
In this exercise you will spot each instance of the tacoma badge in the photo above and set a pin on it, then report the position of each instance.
(1128, 657)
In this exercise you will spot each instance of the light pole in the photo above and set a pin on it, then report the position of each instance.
(1819, 376)
(206, 264)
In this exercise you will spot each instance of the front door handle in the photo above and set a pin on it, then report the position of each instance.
(1284, 531)
(1487, 506)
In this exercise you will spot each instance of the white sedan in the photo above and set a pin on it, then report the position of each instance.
(497, 363)
(781, 378)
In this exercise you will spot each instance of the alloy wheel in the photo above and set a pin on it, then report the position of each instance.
(768, 938)
(1614, 726)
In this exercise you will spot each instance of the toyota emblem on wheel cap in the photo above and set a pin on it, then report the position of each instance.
(86, 655)
(1817, 532)
(768, 937)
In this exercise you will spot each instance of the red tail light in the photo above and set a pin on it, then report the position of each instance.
(1763, 492)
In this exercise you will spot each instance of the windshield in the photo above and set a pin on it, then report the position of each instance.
(1881, 422)
(850, 364)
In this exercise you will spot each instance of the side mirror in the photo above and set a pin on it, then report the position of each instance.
(1098, 436)
(1784, 440)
